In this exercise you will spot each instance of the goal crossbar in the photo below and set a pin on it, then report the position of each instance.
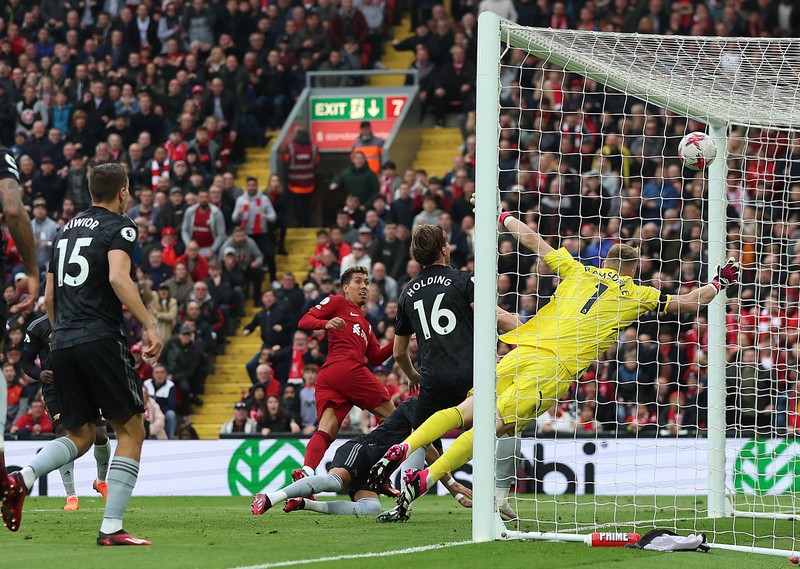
(709, 79)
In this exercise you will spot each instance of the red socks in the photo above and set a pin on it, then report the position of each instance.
(319, 443)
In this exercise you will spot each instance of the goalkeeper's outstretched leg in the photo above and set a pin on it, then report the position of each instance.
(528, 384)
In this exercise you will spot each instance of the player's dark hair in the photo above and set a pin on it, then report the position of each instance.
(426, 244)
(106, 180)
(347, 276)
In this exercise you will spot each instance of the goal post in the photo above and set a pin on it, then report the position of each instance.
(745, 86)
(487, 131)
(718, 504)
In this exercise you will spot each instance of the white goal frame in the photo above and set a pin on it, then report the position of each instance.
(712, 109)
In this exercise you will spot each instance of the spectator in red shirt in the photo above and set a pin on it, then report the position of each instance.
(204, 223)
(323, 240)
(169, 243)
(194, 261)
(144, 369)
(587, 422)
(265, 378)
(176, 147)
(290, 361)
(382, 374)
(641, 419)
(34, 422)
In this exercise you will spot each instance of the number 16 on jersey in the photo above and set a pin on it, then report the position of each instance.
(437, 315)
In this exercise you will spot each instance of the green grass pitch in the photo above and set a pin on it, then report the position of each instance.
(220, 533)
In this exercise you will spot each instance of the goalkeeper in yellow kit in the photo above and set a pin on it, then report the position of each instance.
(584, 317)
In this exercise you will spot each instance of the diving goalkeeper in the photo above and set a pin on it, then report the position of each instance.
(584, 317)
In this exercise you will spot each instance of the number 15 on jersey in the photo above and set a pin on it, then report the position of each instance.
(75, 258)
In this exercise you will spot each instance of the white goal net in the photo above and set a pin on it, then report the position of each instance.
(688, 421)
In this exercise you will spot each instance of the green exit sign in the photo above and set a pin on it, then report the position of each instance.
(348, 108)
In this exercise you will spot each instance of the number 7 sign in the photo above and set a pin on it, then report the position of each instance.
(394, 105)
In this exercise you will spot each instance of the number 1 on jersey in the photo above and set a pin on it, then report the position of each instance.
(436, 316)
(601, 288)
(75, 258)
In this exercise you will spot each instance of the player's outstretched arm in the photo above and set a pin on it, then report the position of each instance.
(525, 235)
(727, 275)
(522, 233)
(19, 225)
(119, 275)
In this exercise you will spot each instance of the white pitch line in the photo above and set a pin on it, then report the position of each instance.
(61, 509)
(355, 556)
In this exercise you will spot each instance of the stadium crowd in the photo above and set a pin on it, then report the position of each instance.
(177, 91)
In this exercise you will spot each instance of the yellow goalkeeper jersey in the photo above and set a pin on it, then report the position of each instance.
(587, 312)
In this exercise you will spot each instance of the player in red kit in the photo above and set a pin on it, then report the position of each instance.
(344, 380)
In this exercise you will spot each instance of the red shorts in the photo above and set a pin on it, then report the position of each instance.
(343, 384)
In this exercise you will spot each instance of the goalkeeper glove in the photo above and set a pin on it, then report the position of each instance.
(727, 275)
(503, 213)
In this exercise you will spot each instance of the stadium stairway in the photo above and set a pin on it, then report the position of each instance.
(438, 147)
(229, 381)
(393, 59)
(256, 163)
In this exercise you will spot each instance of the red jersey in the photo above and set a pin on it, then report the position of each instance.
(297, 365)
(202, 228)
(271, 389)
(317, 250)
(168, 255)
(176, 152)
(14, 393)
(356, 341)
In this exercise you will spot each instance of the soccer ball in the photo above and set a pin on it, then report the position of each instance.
(697, 151)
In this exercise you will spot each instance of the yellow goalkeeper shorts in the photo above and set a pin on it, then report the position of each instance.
(529, 382)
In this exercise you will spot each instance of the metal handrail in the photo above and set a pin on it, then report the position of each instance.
(362, 72)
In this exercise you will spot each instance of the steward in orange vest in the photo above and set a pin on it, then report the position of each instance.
(371, 146)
